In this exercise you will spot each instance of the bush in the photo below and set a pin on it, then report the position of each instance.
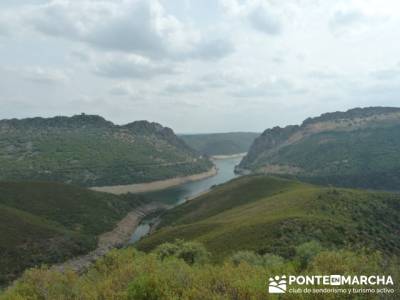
(144, 288)
(267, 260)
(248, 257)
(190, 252)
(130, 274)
(305, 252)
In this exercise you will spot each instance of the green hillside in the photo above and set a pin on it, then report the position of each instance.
(220, 143)
(237, 236)
(357, 148)
(182, 271)
(272, 215)
(50, 222)
(90, 151)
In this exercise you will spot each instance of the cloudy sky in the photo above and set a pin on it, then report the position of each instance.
(198, 65)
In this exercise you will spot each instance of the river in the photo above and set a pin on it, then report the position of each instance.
(180, 194)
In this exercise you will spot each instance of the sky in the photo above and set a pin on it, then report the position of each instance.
(198, 66)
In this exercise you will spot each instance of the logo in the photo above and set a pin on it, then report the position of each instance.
(331, 284)
(277, 285)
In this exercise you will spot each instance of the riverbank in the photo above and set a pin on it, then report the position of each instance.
(155, 222)
(237, 155)
(118, 237)
(154, 185)
(188, 192)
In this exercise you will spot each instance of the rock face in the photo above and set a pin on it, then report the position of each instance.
(90, 151)
(359, 147)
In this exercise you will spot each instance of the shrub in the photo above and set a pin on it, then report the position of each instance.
(306, 251)
(190, 252)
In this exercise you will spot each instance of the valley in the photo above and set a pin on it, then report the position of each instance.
(176, 196)
(287, 203)
(220, 144)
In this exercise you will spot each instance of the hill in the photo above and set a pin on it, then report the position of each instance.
(249, 230)
(50, 222)
(89, 151)
(357, 148)
(182, 271)
(220, 143)
(273, 215)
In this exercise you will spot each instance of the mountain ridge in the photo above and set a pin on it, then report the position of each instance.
(214, 144)
(331, 145)
(88, 150)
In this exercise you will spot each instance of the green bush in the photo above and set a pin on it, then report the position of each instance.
(190, 252)
(305, 252)
(129, 274)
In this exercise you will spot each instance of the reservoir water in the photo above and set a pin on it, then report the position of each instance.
(178, 195)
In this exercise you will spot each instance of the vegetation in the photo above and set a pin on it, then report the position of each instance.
(90, 151)
(50, 222)
(130, 274)
(220, 143)
(357, 148)
(273, 215)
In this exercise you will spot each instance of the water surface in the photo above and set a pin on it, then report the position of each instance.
(179, 194)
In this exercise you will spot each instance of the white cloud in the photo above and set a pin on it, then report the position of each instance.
(42, 75)
(273, 87)
(133, 26)
(262, 20)
(261, 15)
(131, 66)
(184, 88)
(244, 64)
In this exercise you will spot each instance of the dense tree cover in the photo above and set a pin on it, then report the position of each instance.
(50, 222)
(130, 274)
(90, 151)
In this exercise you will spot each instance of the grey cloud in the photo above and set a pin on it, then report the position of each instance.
(278, 60)
(79, 55)
(220, 80)
(386, 74)
(4, 31)
(119, 91)
(381, 93)
(265, 22)
(185, 88)
(343, 21)
(214, 49)
(273, 88)
(132, 30)
(342, 18)
(132, 68)
(140, 27)
(41, 75)
(323, 75)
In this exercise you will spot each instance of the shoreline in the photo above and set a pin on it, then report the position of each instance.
(107, 241)
(154, 185)
(237, 155)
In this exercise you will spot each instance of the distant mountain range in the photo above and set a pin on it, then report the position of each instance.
(356, 148)
(87, 150)
(220, 143)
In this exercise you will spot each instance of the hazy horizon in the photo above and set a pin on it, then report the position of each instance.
(198, 66)
(177, 132)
